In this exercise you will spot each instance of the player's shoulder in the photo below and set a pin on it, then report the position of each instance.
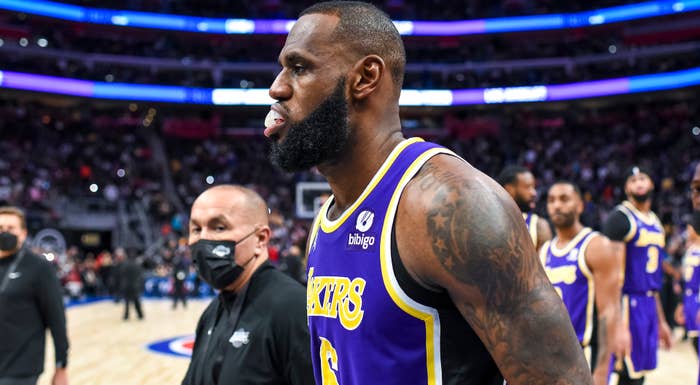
(449, 193)
(448, 172)
(446, 178)
(598, 245)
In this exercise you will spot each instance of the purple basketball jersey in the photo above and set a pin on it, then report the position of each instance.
(644, 251)
(691, 278)
(571, 278)
(531, 223)
(365, 329)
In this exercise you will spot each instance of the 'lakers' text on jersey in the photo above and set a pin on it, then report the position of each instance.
(573, 280)
(369, 321)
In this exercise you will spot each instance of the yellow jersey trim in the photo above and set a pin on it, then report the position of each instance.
(632, 220)
(569, 245)
(649, 218)
(532, 226)
(329, 226)
(583, 265)
(316, 225)
(401, 299)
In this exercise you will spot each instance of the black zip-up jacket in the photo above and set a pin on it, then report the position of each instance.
(268, 345)
(30, 302)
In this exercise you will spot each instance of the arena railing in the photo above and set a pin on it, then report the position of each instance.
(409, 97)
(151, 20)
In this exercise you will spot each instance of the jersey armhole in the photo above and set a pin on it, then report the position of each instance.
(633, 223)
(434, 299)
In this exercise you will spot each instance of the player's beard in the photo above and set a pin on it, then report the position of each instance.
(320, 138)
(524, 205)
(642, 198)
(566, 220)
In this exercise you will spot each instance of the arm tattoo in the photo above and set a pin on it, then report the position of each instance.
(518, 315)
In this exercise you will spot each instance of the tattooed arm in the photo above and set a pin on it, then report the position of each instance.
(457, 230)
(613, 335)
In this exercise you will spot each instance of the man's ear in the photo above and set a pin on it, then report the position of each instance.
(263, 238)
(366, 76)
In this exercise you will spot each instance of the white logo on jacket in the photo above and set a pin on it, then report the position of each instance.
(239, 338)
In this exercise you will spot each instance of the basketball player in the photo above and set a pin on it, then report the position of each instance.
(520, 184)
(638, 237)
(695, 220)
(420, 268)
(691, 281)
(581, 265)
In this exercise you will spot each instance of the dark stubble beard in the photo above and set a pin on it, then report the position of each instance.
(642, 198)
(320, 138)
(524, 205)
(567, 220)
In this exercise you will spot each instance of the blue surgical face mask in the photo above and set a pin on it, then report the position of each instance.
(216, 263)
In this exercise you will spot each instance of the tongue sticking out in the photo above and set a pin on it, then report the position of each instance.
(273, 120)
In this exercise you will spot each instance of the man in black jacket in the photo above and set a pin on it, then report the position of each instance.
(132, 285)
(255, 331)
(30, 302)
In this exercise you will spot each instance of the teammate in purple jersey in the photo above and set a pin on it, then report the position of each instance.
(583, 268)
(520, 184)
(688, 308)
(415, 245)
(695, 216)
(639, 240)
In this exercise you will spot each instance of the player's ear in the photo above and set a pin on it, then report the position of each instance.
(366, 75)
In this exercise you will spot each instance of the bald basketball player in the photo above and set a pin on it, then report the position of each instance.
(254, 331)
(420, 268)
(519, 182)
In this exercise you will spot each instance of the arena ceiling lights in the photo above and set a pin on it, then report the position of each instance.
(413, 28)
(409, 97)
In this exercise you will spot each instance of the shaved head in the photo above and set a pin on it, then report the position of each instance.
(365, 30)
(238, 200)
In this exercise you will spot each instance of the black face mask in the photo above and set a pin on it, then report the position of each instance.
(215, 261)
(695, 221)
(8, 241)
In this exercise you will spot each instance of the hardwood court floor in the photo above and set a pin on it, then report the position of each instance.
(105, 350)
(108, 351)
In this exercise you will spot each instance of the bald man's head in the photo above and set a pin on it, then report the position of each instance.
(236, 200)
(231, 218)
